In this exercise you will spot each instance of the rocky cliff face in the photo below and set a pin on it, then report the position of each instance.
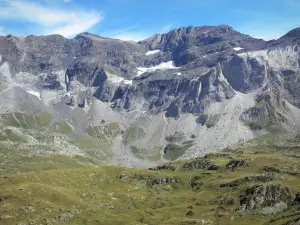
(213, 74)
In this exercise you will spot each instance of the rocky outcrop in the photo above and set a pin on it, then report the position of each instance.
(225, 200)
(250, 179)
(63, 217)
(270, 109)
(265, 195)
(164, 167)
(293, 222)
(297, 199)
(244, 75)
(174, 96)
(268, 168)
(235, 164)
(166, 180)
(273, 169)
(152, 180)
(196, 183)
(199, 164)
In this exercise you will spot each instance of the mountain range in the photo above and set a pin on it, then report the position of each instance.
(179, 95)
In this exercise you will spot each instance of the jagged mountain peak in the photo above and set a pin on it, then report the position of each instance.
(99, 38)
(194, 30)
(220, 29)
(293, 33)
(47, 38)
(184, 37)
(89, 35)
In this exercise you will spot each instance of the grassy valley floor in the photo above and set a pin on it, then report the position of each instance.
(253, 183)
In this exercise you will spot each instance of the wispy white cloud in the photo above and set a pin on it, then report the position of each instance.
(67, 1)
(166, 28)
(53, 20)
(131, 33)
(69, 30)
(135, 33)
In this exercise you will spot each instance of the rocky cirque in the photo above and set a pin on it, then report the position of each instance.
(182, 94)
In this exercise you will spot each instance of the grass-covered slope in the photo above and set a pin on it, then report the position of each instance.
(253, 183)
(42, 141)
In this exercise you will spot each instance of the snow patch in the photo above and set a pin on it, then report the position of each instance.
(152, 52)
(179, 73)
(128, 82)
(163, 66)
(4, 68)
(35, 93)
(115, 79)
(237, 49)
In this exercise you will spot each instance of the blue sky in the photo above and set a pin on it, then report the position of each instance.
(139, 19)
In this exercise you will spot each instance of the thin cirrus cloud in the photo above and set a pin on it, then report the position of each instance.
(135, 34)
(52, 20)
(166, 28)
(72, 29)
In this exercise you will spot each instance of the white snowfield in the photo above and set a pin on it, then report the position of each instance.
(237, 49)
(163, 66)
(152, 52)
(35, 93)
